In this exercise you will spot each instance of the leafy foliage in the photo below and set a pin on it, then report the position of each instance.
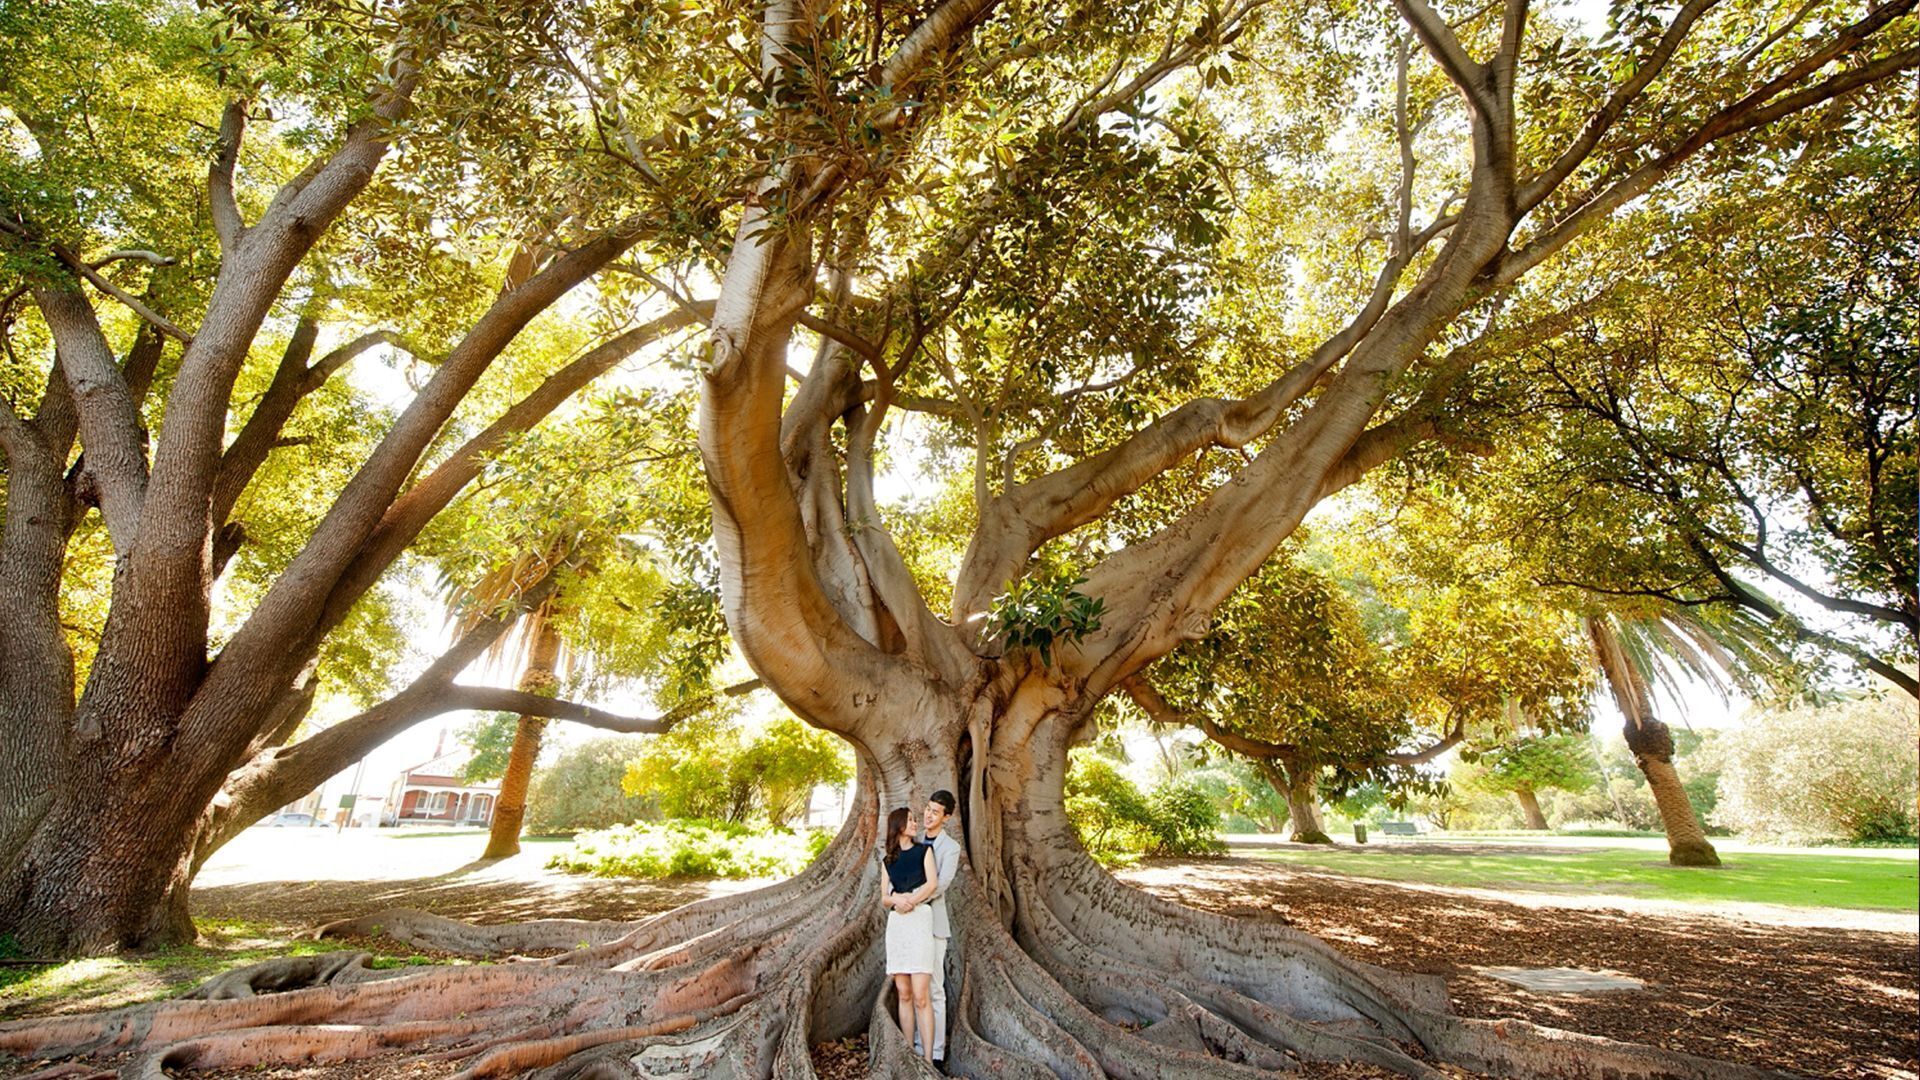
(1746, 400)
(787, 761)
(1528, 763)
(490, 741)
(705, 768)
(582, 789)
(1118, 823)
(1039, 612)
(1844, 769)
(691, 848)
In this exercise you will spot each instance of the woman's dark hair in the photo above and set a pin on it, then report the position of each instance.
(896, 824)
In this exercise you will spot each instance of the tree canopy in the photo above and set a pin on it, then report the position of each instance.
(1155, 280)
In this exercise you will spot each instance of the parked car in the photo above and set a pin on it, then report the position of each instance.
(289, 821)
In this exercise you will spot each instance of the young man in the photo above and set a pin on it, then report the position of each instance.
(946, 858)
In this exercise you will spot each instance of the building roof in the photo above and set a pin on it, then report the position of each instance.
(444, 771)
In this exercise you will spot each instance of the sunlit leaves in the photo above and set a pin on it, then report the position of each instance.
(1043, 612)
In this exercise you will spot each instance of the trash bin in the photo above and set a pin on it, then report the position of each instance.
(1359, 832)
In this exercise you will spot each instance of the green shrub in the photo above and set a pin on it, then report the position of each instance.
(691, 848)
(1106, 809)
(1184, 821)
(1117, 824)
(581, 789)
(1844, 770)
(705, 768)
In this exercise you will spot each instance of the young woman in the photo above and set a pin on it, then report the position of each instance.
(909, 880)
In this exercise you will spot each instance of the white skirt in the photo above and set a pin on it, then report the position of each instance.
(910, 941)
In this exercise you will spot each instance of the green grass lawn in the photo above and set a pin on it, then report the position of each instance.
(1810, 879)
(106, 982)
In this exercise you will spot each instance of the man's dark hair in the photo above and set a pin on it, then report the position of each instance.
(945, 799)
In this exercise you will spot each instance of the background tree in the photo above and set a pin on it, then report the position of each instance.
(710, 769)
(786, 762)
(986, 269)
(1841, 769)
(1630, 656)
(1289, 678)
(1525, 766)
(1748, 405)
(1461, 531)
(1341, 684)
(581, 789)
(624, 481)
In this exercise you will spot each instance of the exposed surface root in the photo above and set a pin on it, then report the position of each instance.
(290, 973)
(1194, 980)
(429, 931)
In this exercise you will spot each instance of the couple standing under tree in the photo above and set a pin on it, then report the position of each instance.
(914, 893)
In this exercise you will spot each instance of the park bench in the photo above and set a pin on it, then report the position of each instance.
(1399, 828)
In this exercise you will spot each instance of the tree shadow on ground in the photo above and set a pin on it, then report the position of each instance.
(464, 893)
(1826, 1002)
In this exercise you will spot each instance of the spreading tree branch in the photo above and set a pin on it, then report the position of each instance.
(292, 382)
(403, 519)
(227, 223)
(111, 436)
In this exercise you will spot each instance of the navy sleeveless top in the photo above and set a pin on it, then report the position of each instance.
(908, 870)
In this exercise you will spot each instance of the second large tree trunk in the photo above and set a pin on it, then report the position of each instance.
(510, 811)
(126, 886)
(1530, 808)
(1296, 783)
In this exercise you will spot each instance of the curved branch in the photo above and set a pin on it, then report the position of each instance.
(1016, 522)
(1609, 113)
(135, 304)
(410, 513)
(168, 571)
(305, 600)
(1756, 109)
(227, 223)
(112, 440)
(494, 699)
(292, 382)
(1438, 38)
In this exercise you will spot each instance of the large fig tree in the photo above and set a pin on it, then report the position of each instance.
(1014, 221)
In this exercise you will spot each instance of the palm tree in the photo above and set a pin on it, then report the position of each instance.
(1637, 648)
(542, 657)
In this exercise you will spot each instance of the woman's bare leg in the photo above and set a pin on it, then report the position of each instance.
(923, 1011)
(903, 991)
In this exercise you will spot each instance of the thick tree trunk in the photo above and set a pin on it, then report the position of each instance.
(1530, 808)
(1297, 784)
(36, 666)
(510, 811)
(125, 887)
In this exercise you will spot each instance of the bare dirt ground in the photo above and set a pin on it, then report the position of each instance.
(1829, 1001)
(1838, 1000)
